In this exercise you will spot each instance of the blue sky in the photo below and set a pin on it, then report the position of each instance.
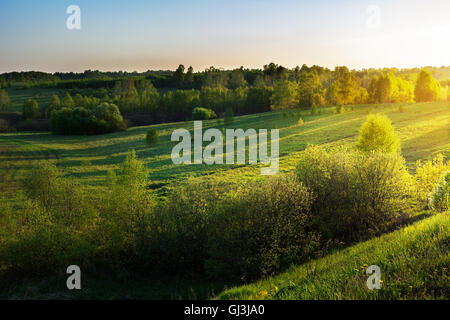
(141, 35)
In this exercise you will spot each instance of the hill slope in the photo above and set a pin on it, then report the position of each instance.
(414, 264)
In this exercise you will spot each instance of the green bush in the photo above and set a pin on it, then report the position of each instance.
(203, 114)
(427, 176)
(358, 195)
(377, 134)
(177, 239)
(152, 137)
(229, 116)
(262, 228)
(440, 197)
(104, 118)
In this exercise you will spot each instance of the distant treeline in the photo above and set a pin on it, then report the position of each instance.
(188, 79)
(172, 96)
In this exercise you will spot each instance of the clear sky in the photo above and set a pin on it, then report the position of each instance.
(160, 34)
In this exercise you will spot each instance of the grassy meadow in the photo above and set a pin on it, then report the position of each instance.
(414, 258)
(423, 129)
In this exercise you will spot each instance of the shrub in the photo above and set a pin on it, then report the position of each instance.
(177, 239)
(300, 122)
(203, 114)
(427, 176)
(102, 119)
(151, 137)
(262, 228)
(229, 116)
(358, 195)
(377, 134)
(440, 197)
(340, 109)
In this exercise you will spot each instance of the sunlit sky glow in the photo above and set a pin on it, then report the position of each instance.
(140, 35)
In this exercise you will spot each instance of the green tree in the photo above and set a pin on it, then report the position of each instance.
(5, 102)
(152, 137)
(189, 78)
(237, 79)
(131, 196)
(345, 89)
(150, 98)
(309, 90)
(30, 109)
(68, 102)
(377, 134)
(285, 95)
(179, 76)
(78, 100)
(427, 88)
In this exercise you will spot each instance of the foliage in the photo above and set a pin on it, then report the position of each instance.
(414, 260)
(203, 114)
(358, 195)
(30, 109)
(5, 102)
(152, 137)
(102, 119)
(285, 95)
(440, 197)
(309, 90)
(427, 88)
(427, 176)
(261, 229)
(229, 116)
(377, 134)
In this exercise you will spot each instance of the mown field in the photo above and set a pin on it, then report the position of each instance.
(423, 129)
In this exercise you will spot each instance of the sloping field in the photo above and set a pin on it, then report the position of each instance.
(423, 128)
(413, 262)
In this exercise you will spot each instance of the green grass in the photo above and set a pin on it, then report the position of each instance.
(414, 264)
(423, 129)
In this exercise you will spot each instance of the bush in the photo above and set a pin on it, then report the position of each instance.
(340, 109)
(203, 114)
(300, 121)
(427, 176)
(152, 137)
(104, 118)
(358, 195)
(440, 197)
(229, 116)
(262, 228)
(177, 239)
(377, 134)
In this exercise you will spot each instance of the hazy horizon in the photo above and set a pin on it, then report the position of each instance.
(139, 35)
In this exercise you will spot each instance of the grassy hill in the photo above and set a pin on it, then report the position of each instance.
(413, 261)
(423, 129)
(415, 257)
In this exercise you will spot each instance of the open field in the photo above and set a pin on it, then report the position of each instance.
(423, 129)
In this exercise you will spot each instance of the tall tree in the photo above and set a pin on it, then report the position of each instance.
(427, 88)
